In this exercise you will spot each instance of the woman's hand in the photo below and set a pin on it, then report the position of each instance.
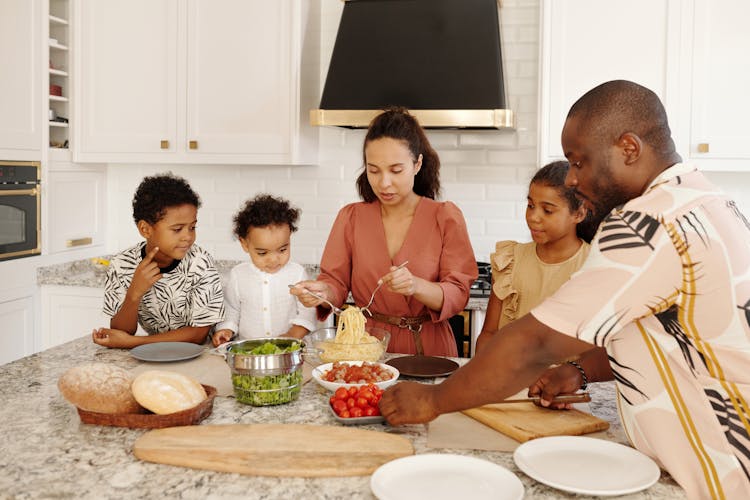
(562, 379)
(109, 337)
(401, 281)
(300, 289)
(221, 336)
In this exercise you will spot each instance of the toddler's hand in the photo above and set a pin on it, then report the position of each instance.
(221, 336)
(299, 290)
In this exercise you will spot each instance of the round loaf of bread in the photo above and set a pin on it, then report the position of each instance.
(100, 388)
(165, 392)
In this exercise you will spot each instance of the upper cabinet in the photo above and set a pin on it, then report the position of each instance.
(715, 56)
(588, 42)
(20, 85)
(692, 53)
(191, 81)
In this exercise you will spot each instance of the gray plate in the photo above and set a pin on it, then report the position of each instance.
(167, 351)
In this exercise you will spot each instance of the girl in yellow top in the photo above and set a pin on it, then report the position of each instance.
(524, 274)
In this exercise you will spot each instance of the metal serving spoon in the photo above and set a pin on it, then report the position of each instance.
(380, 283)
(336, 310)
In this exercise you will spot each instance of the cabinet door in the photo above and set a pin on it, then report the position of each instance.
(720, 130)
(128, 79)
(17, 334)
(20, 93)
(70, 312)
(588, 42)
(76, 209)
(239, 83)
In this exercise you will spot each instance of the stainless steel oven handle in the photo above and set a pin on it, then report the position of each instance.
(20, 192)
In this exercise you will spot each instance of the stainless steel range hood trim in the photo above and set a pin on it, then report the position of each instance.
(429, 118)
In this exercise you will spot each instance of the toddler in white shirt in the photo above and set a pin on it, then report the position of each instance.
(257, 299)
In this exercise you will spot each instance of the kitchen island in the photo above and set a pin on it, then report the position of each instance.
(46, 452)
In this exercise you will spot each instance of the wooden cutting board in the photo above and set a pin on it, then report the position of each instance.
(273, 449)
(525, 421)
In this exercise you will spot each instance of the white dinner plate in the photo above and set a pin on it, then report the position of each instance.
(586, 465)
(319, 371)
(167, 351)
(444, 476)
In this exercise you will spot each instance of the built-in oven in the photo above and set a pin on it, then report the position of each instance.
(20, 212)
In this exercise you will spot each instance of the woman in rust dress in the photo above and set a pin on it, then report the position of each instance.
(399, 221)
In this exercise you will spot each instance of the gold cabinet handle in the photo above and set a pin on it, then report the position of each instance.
(193, 144)
(164, 144)
(78, 242)
(703, 147)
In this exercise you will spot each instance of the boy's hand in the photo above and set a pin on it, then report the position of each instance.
(146, 274)
(221, 336)
(109, 337)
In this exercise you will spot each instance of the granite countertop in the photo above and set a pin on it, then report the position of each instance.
(48, 453)
(88, 273)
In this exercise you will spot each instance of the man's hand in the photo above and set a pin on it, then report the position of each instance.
(146, 274)
(563, 379)
(112, 338)
(409, 403)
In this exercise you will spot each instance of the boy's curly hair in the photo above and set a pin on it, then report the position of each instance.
(265, 210)
(157, 193)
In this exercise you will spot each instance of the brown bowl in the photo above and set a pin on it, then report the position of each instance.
(190, 416)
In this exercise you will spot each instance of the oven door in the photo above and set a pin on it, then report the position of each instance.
(19, 220)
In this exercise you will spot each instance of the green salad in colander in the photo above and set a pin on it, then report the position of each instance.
(266, 390)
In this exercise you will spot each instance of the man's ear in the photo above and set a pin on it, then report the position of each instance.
(631, 146)
(145, 228)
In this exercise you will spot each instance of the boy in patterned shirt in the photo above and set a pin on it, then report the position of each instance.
(167, 284)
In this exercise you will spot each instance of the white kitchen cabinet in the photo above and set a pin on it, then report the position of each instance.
(191, 81)
(20, 85)
(588, 42)
(17, 334)
(70, 312)
(715, 52)
(76, 207)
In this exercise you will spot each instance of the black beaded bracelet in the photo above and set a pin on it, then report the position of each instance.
(583, 375)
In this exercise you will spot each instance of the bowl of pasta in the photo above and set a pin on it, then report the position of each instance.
(349, 341)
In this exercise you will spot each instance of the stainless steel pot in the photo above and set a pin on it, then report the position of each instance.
(263, 364)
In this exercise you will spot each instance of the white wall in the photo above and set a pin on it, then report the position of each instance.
(485, 172)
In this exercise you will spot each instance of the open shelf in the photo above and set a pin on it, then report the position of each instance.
(57, 72)
(58, 124)
(57, 46)
(57, 20)
(58, 98)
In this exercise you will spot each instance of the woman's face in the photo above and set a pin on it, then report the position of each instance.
(391, 169)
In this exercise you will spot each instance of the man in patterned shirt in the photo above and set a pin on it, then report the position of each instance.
(664, 296)
(167, 284)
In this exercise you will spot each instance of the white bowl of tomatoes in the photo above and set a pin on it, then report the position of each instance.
(357, 404)
(355, 373)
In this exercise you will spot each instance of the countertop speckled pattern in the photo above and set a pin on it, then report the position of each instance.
(86, 273)
(47, 453)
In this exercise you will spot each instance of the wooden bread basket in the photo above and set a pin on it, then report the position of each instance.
(149, 420)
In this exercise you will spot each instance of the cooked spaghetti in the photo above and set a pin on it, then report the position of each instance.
(352, 342)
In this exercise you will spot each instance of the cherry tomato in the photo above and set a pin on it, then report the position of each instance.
(377, 411)
(362, 403)
(345, 414)
(353, 391)
(332, 399)
(356, 412)
(339, 406)
(341, 393)
(370, 411)
(367, 394)
(351, 403)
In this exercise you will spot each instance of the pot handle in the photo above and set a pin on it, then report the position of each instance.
(222, 349)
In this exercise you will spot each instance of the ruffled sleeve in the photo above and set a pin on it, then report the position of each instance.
(503, 261)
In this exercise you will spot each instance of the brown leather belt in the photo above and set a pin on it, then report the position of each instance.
(412, 323)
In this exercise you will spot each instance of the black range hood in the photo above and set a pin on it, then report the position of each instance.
(439, 58)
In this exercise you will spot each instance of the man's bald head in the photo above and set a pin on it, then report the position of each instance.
(619, 106)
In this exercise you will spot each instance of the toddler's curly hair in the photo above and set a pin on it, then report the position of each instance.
(265, 210)
(157, 193)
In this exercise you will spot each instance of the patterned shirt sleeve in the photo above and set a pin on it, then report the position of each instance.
(632, 270)
(206, 302)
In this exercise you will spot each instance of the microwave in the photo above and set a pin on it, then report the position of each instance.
(20, 209)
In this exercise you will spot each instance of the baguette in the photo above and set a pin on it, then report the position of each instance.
(165, 392)
(100, 388)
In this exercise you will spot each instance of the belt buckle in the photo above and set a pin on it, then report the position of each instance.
(402, 323)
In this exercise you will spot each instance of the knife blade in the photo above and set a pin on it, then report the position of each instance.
(583, 397)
